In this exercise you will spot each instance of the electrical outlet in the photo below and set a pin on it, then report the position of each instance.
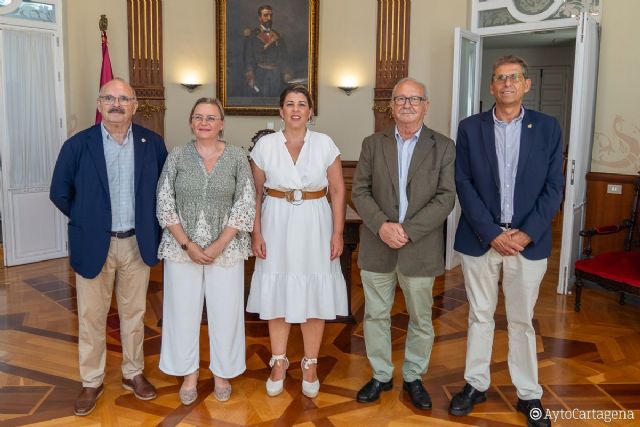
(614, 189)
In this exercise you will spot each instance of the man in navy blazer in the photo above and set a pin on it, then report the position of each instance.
(509, 182)
(105, 181)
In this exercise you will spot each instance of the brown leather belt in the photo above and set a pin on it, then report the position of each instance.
(296, 196)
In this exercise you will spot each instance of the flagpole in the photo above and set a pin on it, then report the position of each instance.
(106, 73)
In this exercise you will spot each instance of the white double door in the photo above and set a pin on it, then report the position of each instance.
(32, 129)
(466, 101)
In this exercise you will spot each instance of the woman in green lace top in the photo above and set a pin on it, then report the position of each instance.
(206, 205)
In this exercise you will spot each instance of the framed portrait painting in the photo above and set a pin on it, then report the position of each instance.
(263, 46)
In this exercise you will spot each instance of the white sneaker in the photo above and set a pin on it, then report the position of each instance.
(274, 388)
(309, 389)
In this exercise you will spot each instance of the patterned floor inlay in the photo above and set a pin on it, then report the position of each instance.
(588, 361)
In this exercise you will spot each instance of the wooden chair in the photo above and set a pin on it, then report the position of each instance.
(258, 135)
(617, 271)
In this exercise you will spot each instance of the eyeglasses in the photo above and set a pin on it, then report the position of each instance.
(110, 99)
(201, 118)
(413, 100)
(502, 78)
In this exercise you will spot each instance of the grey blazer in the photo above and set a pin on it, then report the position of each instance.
(431, 194)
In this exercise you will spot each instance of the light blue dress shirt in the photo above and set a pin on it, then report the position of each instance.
(120, 170)
(507, 137)
(405, 152)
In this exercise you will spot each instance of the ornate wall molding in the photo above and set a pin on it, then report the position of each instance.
(31, 10)
(511, 15)
(392, 55)
(145, 61)
(147, 109)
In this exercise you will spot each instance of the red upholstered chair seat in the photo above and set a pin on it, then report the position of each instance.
(621, 267)
(618, 270)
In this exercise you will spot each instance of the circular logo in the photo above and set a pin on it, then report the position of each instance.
(535, 413)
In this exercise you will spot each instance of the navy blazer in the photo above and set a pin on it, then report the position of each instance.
(538, 189)
(80, 189)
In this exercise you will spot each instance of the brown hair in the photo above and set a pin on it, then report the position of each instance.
(511, 59)
(296, 89)
(210, 101)
(264, 7)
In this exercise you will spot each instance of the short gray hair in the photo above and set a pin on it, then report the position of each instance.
(410, 79)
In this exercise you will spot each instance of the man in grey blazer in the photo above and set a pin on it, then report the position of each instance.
(403, 189)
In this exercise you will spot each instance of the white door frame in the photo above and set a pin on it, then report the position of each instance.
(452, 258)
(15, 251)
(585, 80)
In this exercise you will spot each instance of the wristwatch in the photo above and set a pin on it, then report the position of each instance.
(185, 246)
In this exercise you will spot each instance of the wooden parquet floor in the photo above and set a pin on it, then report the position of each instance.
(589, 361)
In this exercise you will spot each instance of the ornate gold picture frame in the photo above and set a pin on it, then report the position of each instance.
(262, 46)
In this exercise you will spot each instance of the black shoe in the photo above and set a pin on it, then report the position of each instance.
(535, 413)
(462, 403)
(371, 390)
(419, 396)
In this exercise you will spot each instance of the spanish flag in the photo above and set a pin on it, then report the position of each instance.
(106, 74)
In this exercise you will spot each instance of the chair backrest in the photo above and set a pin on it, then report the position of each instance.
(632, 241)
(258, 135)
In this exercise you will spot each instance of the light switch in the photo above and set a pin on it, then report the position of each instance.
(614, 189)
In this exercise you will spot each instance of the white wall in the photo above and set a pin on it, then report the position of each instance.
(431, 53)
(346, 47)
(616, 147)
(83, 55)
(189, 48)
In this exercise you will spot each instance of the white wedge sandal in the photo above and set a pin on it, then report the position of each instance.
(309, 389)
(274, 388)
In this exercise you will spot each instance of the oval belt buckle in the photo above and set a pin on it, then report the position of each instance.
(294, 197)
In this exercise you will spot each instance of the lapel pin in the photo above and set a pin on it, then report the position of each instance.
(529, 125)
(144, 140)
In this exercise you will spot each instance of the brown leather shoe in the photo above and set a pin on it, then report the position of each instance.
(140, 387)
(86, 400)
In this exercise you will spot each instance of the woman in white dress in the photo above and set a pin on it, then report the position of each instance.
(297, 237)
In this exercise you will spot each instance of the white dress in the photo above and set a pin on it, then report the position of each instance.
(297, 280)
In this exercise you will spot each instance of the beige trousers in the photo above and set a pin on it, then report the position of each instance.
(124, 268)
(520, 284)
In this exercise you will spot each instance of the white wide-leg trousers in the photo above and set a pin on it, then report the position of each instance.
(186, 285)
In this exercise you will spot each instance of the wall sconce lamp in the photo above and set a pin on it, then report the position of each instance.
(190, 86)
(348, 89)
